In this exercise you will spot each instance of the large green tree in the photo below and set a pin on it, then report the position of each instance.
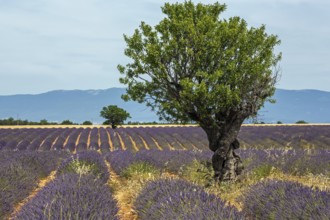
(194, 65)
(114, 115)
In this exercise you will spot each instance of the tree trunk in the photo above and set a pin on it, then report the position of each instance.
(227, 165)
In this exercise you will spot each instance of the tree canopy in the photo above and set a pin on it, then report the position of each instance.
(114, 115)
(192, 65)
(195, 65)
(67, 122)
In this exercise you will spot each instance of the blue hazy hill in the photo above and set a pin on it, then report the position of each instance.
(81, 105)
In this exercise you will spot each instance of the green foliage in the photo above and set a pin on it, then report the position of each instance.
(114, 115)
(199, 172)
(262, 171)
(12, 121)
(301, 122)
(44, 122)
(81, 167)
(195, 66)
(87, 123)
(141, 169)
(67, 122)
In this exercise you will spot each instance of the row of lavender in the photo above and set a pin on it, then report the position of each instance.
(179, 199)
(79, 191)
(291, 162)
(171, 198)
(174, 138)
(81, 179)
(20, 173)
(294, 136)
(105, 139)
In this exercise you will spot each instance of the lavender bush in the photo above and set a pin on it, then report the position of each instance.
(19, 175)
(105, 147)
(144, 134)
(136, 138)
(119, 159)
(85, 162)
(2, 144)
(59, 144)
(178, 199)
(166, 160)
(286, 200)
(173, 161)
(298, 137)
(94, 139)
(10, 145)
(293, 162)
(251, 137)
(71, 196)
(302, 162)
(48, 142)
(82, 146)
(84, 135)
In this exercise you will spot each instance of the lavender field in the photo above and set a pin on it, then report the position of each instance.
(162, 138)
(162, 173)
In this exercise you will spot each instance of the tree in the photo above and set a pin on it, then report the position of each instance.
(43, 122)
(301, 122)
(114, 115)
(87, 123)
(195, 66)
(66, 122)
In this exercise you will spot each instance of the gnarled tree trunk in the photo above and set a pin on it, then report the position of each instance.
(227, 165)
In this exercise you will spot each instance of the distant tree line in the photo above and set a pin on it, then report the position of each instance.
(12, 121)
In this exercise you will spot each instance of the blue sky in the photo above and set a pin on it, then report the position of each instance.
(77, 44)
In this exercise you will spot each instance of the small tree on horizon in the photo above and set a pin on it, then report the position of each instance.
(87, 123)
(301, 122)
(43, 122)
(194, 66)
(67, 122)
(114, 115)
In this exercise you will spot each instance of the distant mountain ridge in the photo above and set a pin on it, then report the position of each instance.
(74, 105)
(81, 105)
(293, 105)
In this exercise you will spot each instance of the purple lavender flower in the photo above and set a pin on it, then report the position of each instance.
(119, 159)
(2, 144)
(82, 146)
(293, 162)
(90, 159)
(94, 139)
(20, 172)
(166, 160)
(71, 196)
(286, 200)
(178, 199)
(10, 145)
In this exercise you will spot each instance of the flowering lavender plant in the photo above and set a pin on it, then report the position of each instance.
(166, 160)
(178, 199)
(20, 172)
(286, 200)
(86, 162)
(119, 159)
(293, 162)
(71, 196)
